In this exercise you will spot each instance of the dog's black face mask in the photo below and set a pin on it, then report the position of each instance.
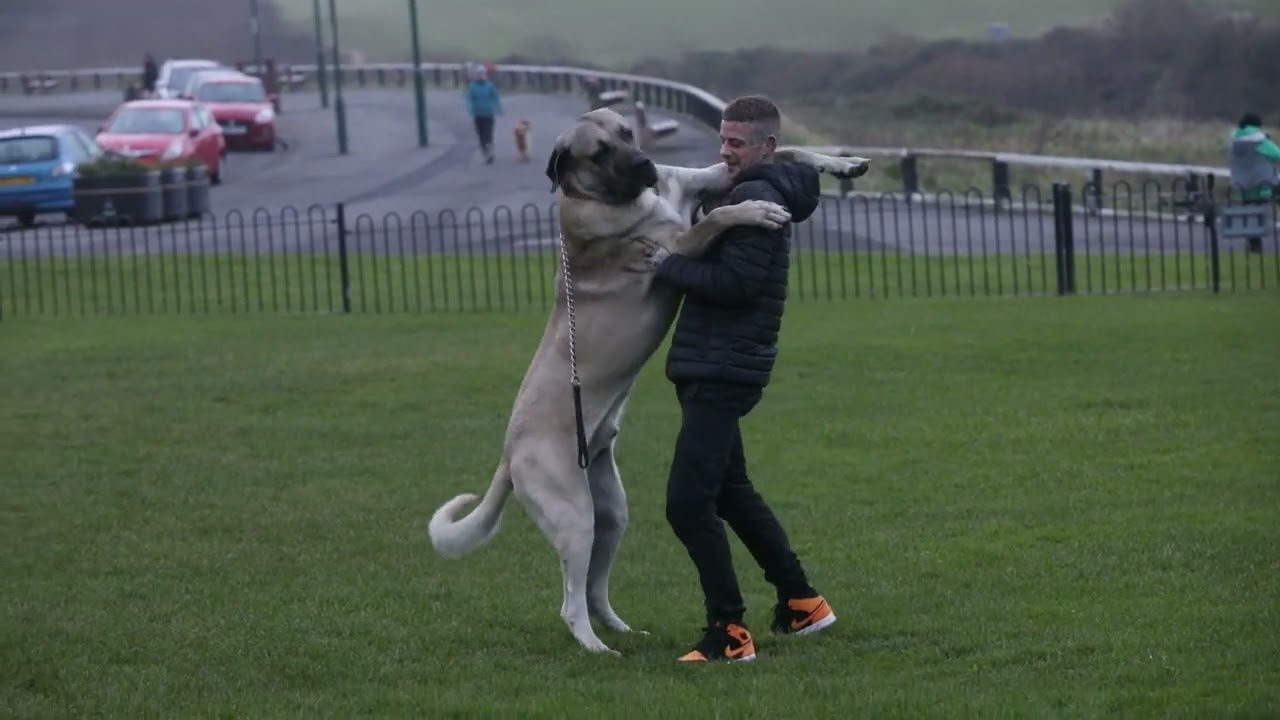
(557, 166)
(621, 175)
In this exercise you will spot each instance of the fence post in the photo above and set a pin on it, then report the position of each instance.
(1095, 189)
(1064, 239)
(1000, 182)
(910, 175)
(1211, 224)
(344, 265)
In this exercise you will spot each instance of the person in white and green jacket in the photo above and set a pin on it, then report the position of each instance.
(1253, 158)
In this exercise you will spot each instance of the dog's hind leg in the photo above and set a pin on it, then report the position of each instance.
(610, 500)
(556, 493)
(845, 167)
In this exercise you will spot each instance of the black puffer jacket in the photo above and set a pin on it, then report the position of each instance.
(727, 330)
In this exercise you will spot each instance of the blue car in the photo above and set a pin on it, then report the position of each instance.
(37, 169)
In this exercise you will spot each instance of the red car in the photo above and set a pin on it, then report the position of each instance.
(155, 130)
(241, 106)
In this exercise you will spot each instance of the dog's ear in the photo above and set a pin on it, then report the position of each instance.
(554, 163)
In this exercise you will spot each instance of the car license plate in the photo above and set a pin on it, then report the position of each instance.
(234, 129)
(17, 180)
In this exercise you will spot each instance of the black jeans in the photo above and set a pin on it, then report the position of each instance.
(1254, 244)
(484, 132)
(708, 487)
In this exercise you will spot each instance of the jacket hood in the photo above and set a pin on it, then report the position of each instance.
(797, 184)
(1249, 134)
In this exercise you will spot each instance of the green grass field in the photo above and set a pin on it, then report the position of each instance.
(1020, 508)
(615, 33)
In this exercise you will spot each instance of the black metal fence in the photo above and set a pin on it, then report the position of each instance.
(328, 259)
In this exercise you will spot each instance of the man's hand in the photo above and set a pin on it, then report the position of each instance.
(647, 257)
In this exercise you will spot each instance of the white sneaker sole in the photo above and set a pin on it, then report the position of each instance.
(818, 626)
(745, 658)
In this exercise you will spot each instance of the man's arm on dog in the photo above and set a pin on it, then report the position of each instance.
(738, 275)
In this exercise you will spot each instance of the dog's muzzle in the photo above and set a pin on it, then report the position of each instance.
(644, 171)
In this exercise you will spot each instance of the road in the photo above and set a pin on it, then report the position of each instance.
(392, 189)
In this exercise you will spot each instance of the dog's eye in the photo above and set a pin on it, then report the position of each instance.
(602, 154)
(626, 134)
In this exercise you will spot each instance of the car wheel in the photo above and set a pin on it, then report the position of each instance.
(27, 218)
(216, 176)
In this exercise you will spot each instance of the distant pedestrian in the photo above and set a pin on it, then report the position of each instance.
(484, 104)
(150, 72)
(1253, 159)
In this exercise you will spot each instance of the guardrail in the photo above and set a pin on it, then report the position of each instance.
(676, 97)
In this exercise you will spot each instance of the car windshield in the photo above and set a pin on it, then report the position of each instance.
(231, 92)
(34, 148)
(179, 76)
(166, 121)
(136, 121)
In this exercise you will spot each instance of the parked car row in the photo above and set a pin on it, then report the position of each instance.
(240, 103)
(217, 109)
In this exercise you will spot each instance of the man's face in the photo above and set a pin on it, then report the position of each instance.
(743, 145)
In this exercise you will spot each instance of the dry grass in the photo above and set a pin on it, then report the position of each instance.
(878, 122)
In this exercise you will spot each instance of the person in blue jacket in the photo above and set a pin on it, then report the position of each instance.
(484, 103)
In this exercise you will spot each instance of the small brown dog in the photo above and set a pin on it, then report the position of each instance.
(521, 132)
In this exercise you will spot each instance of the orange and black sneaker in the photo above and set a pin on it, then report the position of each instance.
(802, 616)
(729, 642)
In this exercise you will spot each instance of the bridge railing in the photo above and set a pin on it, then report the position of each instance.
(333, 258)
(675, 97)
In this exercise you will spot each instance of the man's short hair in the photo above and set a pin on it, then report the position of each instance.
(757, 110)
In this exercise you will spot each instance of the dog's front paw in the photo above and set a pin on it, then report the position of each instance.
(847, 168)
(760, 212)
(647, 257)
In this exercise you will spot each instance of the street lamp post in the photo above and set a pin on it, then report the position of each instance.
(339, 109)
(320, 73)
(419, 94)
(255, 29)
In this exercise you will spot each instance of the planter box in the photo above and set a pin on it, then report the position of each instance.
(173, 188)
(197, 190)
(109, 199)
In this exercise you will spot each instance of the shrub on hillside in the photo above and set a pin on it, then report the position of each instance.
(1168, 57)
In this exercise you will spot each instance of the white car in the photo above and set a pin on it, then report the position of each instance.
(174, 75)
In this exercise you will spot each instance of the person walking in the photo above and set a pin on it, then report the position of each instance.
(484, 103)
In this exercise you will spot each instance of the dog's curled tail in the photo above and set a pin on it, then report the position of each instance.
(454, 537)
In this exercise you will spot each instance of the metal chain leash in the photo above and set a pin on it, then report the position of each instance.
(568, 299)
(583, 459)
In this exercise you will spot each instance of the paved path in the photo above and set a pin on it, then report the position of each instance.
(386, 178)
(385, 171)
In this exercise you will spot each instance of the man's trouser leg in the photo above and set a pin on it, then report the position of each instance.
(703, 450)
(754, 522)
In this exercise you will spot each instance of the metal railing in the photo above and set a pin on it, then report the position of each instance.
(324, 259)
(675, 97)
